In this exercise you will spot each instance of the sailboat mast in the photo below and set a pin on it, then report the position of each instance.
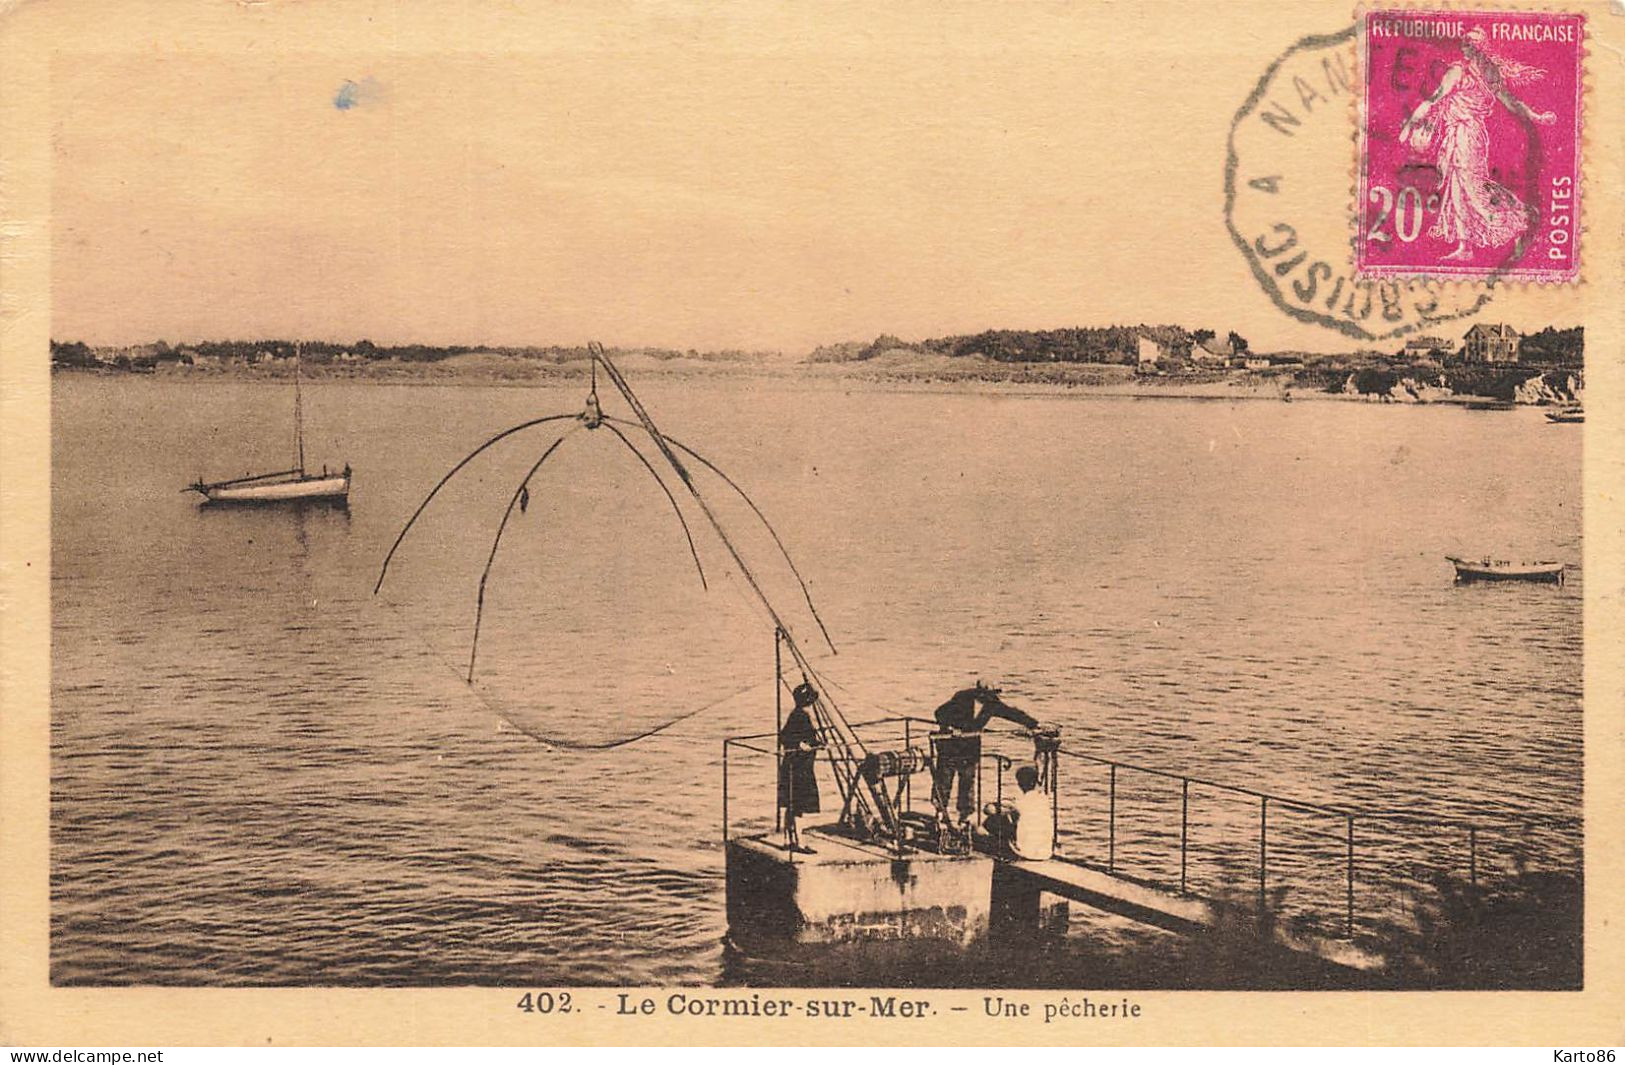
(298, 407)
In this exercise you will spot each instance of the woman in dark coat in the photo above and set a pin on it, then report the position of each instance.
(799, 744)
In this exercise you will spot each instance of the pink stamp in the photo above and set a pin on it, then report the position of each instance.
(1470, 145)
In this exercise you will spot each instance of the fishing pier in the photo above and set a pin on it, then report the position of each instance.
(1171, 851)
(1157, 847)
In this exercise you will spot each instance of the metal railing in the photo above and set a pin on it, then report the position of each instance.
(1319, 861)
(1264, 801)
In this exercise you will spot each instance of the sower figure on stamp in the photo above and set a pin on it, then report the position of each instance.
(799, 744)
(959, 745)
(1452, 125)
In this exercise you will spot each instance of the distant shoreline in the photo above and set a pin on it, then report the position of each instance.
(943, 376)
(1494, 364)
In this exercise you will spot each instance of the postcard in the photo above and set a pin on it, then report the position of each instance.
(675, 523)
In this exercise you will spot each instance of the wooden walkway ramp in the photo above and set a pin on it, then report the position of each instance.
(1159, 908)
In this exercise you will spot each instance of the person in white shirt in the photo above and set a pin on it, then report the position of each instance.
(1024, 823)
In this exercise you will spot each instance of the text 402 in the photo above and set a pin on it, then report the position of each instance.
(545, 1002)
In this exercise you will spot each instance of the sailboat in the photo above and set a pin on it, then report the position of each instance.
(283, 486)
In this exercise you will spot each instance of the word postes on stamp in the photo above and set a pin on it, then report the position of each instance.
(1470, 137)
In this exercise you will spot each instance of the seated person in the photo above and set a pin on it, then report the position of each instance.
(1023, 825)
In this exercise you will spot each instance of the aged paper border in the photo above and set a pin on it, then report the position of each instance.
(33, 1013)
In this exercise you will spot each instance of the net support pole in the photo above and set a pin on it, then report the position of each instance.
(778, 723)
(1263, 851)
(1349, 863)
(1184, 830)
(1111, 822)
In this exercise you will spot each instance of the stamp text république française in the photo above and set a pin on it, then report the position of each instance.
(1499, 31)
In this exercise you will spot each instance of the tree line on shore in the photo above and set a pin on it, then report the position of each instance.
(1112, 344)
(1555, 347)
(1121, 345)
(77, 354)
(1101, 345)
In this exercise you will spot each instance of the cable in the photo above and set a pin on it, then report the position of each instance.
(479, 606)
(453, 472)
(671, 498)
(729, 481)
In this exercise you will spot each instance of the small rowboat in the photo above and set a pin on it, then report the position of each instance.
(1498, 570)
(1568, 415)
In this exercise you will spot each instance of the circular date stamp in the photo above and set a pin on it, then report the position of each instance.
(1288, 194)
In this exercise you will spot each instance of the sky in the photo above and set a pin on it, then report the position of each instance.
(683, 176)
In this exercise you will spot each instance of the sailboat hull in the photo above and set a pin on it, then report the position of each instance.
(1551, 572)
(328, 488)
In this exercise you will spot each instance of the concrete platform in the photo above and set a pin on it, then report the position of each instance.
(851, 891)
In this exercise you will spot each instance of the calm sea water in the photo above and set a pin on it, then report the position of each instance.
(262, 774)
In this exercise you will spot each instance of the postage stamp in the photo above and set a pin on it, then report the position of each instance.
(1470, 137)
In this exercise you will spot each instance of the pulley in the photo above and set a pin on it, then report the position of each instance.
(904, 763)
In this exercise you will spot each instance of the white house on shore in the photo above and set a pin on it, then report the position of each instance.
(1212, 352)
(1491, 343)
(1420, 347)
